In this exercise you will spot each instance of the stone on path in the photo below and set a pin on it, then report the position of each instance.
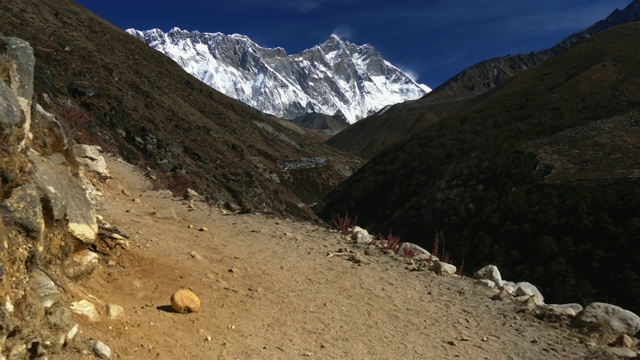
(184, 301)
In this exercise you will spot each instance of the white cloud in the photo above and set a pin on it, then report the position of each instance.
(344, 31)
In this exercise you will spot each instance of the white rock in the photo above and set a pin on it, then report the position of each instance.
(86, 309)
(490, 272)
(89, 156)
(485, 282)
(564, 309)
(525, 288)
(360, 235)
(509, 287)
(620, 320)
(81, 264)
(101, 349)
(444, 268)
(414, 251)
(71, 334)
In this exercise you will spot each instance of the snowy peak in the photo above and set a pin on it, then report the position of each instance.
(334, 78)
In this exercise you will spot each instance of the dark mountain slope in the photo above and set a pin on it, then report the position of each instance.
(490, 73)
(370, 135)
(539, 177)
(116, 91)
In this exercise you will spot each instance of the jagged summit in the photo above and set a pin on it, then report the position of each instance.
(334, 78)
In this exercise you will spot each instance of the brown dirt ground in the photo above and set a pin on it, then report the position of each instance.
(285, 298)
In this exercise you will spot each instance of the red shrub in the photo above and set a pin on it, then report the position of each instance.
(345, 224)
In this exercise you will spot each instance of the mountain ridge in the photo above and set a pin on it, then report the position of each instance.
(336, 78)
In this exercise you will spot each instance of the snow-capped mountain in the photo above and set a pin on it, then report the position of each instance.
(335, 78)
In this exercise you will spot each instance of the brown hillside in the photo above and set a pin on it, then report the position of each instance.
(129, 98)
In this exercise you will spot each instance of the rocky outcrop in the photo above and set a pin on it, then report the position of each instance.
(46, 217)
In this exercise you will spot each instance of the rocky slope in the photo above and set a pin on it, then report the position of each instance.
(110, 89)
(538, 175)
(334, 78)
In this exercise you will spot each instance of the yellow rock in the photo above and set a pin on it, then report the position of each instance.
(184, 301)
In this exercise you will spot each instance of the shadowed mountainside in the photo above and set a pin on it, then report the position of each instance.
(371, 135)
(113, 90)
(539, 176)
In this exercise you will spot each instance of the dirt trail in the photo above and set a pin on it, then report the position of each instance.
(269, 291)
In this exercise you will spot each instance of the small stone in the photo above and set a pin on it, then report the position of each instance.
(234, 271)
(502, 296)
(203, 229)
(452, 343)
(485, 339)
(189, 226)
(71, 334)
(111, 263)
(99, 217)
(624, 341)
(137, 201)
(126, 192)
(207, 339)
(620, 352)
(184, 301)
(114, 311)
(101, 349)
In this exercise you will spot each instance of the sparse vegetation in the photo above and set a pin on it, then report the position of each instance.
(345, 224)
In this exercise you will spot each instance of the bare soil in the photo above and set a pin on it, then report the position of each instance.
(269, 291)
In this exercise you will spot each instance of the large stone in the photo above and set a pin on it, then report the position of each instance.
(89, 156)
(361, 236)
(415, 252)
(618, 319)
(114, 311)
(527, 289)
(442, 268)
(185, 301)
(81, 264)
(25, 209)
(101, 349)
(490, 272)
(67, 200)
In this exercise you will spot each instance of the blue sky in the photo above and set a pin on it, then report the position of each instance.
(431, 39)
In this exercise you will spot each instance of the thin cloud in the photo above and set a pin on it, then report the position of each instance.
(344, 31)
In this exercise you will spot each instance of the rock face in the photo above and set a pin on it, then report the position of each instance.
(185, 301)
(336, 78)
(46, 216)
(618, 319)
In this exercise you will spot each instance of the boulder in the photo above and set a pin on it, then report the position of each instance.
(86, 309)
(185, 301)
(360, 236)
(415, 252)
(68, 201)
(81, 264)
(527, 289)
(490, 272)
(89, 157)
(618, 319)
(442, 268)
(509, 286)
